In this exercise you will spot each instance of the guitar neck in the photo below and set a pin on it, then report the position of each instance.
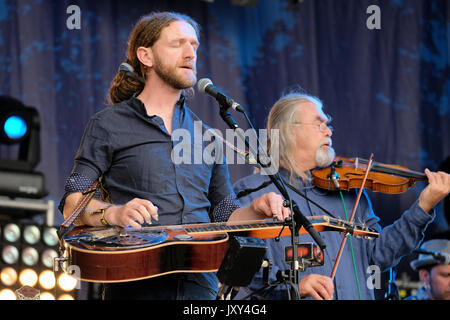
(222, 227)
(267, 228)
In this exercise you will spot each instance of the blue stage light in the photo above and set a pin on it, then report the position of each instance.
(15, 127)
(20, 132)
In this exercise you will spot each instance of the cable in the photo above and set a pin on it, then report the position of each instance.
(351, 249)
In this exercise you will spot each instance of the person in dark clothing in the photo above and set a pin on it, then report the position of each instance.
(130, 145)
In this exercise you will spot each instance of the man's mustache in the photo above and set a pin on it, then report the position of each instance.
(326, 141)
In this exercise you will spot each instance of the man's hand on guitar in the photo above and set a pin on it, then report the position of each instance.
(133, 213)
(271, 205)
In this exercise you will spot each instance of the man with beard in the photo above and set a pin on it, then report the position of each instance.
(129, 145)
(433, 266)
(304, 144)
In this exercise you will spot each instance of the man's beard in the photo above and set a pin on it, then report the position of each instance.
(325, 154)
(167, 74)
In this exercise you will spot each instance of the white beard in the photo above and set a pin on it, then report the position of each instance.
(325, 156)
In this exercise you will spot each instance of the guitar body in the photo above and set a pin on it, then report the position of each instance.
(116, 254)
(178, 252)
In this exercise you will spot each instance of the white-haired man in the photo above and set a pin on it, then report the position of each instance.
(304, 144)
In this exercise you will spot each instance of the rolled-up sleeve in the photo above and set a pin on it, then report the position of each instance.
(221, 195)
(93, 158)
(94, 155)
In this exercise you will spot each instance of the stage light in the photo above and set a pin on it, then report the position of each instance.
(30, 256)
(47, 257)
(8, 276)
(20, 126)
(47, 279)
(11, 232)
(50, 236)
(66, 282)
(31, 234)
(47, 296)
(16, 120)
(28, 277)
(66, 296)
(7, 294)
(27, 252)
(15, 128)
(10, 254)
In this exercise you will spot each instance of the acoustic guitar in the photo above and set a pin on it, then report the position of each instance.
(113, 254)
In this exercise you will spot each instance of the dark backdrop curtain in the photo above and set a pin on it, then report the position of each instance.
(387, 89)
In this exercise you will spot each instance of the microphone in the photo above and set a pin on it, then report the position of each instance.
(205, 86)
(129, 70)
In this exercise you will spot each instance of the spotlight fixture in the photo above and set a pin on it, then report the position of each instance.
(20, 125)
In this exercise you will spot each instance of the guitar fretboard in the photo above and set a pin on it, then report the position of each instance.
(237, 227)
(246, 225)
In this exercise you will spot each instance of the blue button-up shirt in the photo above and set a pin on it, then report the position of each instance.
(371, 256)
(137, 158)
(133, 152)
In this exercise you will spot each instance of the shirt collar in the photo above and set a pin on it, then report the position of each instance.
(139, 106)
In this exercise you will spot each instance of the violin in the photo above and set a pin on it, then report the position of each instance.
(348, 173)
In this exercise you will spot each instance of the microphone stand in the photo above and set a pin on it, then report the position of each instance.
(298, 220)
(392, 289)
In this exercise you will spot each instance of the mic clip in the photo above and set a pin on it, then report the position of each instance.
(334, 176)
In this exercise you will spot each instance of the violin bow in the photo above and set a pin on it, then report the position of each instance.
(355, 206)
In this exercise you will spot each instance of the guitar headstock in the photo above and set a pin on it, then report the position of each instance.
(357, 230)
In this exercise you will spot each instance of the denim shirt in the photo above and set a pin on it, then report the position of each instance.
(383, 252)
(133, 152)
